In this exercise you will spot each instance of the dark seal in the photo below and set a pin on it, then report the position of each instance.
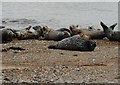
(6, 35)
(76, 43)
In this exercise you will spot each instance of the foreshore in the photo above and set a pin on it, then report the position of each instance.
(38, 64)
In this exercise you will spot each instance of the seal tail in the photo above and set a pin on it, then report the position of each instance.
(51, 47)
(113, 26)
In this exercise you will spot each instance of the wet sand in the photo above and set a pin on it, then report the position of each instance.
(38, 64)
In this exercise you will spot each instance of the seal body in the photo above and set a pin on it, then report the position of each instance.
(21, 35)
(91, 32)
(56, 35)
(25, 34)
(76, 43)
(109, 33)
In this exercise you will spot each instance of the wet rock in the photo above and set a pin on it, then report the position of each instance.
(2, 27)
(4, 50)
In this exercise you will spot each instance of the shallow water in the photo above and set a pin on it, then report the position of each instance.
(62, 14)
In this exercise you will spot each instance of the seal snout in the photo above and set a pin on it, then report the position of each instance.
(51, 47)
(92, 45)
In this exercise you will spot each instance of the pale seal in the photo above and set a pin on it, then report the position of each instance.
(92, 33)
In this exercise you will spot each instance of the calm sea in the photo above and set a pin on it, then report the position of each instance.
(62, 14)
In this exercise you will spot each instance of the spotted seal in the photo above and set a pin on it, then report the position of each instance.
(110, 34)
(90, 31)
(38, 30)
(76, 43)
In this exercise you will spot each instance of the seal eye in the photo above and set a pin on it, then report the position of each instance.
(34, 28)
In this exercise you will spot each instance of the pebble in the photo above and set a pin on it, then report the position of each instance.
(77, 69)
(93, 60)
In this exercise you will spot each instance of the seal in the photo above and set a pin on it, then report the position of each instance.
(6, 35)
(109, 33)
(50, 34)
(24, 34)
(76, 43)
(90, 31)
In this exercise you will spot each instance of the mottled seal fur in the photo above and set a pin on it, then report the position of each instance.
(25, 34)
(39, 31)
(50, 34)
(90, 31)
(6, 35)
(109, 33)
(76, 43)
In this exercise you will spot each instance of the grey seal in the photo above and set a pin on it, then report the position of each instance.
(91, 32)
(6, 35)
(76, 43)
(49, 34)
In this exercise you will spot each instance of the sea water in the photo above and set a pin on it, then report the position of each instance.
(62, 14)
